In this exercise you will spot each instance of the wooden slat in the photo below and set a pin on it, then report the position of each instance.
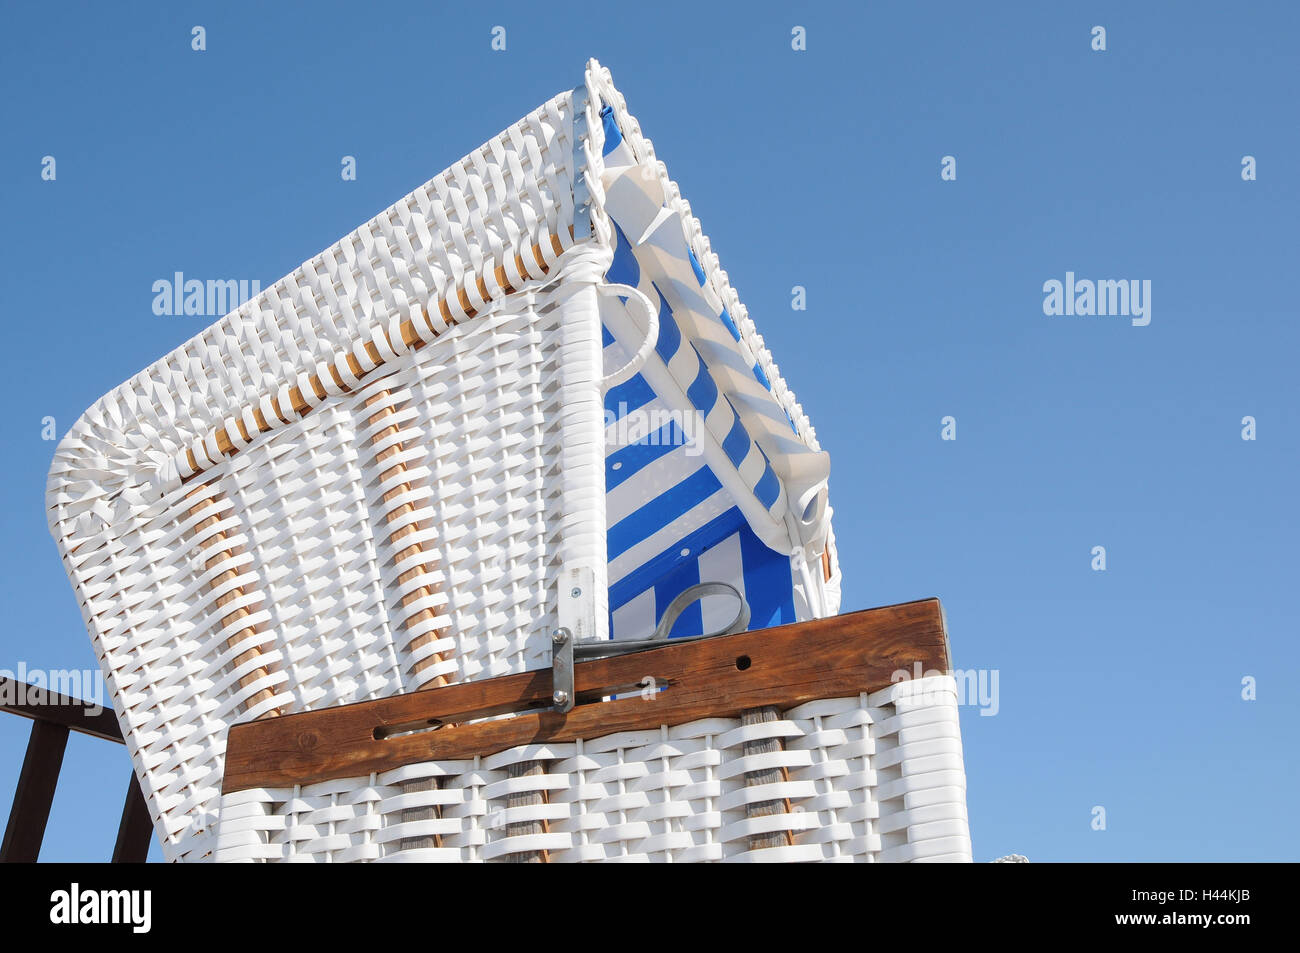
(784, 666)
(398, 470)
(135, 830)
(753, 779)
(35, 793)
(527, 769)
(44, 705)
(215, 551)
(404, 550)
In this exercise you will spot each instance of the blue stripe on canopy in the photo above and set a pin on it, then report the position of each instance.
(703, 393)
(731, 326)
(649, 519)
(628, 396)
(670, 335)
(768, 488)
(769, 586)
(624, 269)
(736, 446)
(622, 591)
(724, 551)
(613, 136)
(691, 621)
(695, 266)
(626, 462)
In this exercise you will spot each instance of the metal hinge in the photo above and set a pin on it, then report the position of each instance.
(567, 647)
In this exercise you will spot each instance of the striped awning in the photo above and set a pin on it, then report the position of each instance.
(707, 477)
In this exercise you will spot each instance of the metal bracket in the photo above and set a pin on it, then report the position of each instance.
(566, 648)
(562, 669)
(575, 610)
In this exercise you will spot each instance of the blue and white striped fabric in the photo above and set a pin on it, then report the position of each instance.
(673, 519)
(673, 524)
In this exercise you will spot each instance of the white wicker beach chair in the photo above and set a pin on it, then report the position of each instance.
(525, 396)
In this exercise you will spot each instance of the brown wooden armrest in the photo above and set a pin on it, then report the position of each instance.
(719, 677)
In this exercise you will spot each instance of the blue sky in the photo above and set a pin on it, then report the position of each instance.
(819, 168)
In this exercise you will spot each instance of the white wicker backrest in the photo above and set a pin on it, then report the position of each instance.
(272, 579)
(303, 515)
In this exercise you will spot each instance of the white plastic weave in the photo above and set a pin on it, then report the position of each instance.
(874, 778)
(484, 459)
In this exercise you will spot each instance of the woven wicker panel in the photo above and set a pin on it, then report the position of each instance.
(302, 513)
(271, 581)
(870, 778)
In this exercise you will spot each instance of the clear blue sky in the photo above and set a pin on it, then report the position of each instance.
(822, 169)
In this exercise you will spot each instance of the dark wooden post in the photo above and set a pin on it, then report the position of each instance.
(35, 793)
(135, 832)
(782, 838)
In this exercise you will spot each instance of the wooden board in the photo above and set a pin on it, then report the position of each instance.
(721, 677)
(41, 704)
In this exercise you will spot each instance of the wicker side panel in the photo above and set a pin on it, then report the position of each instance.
(869, 778)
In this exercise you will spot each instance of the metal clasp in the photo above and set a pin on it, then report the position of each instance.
(565, 649)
